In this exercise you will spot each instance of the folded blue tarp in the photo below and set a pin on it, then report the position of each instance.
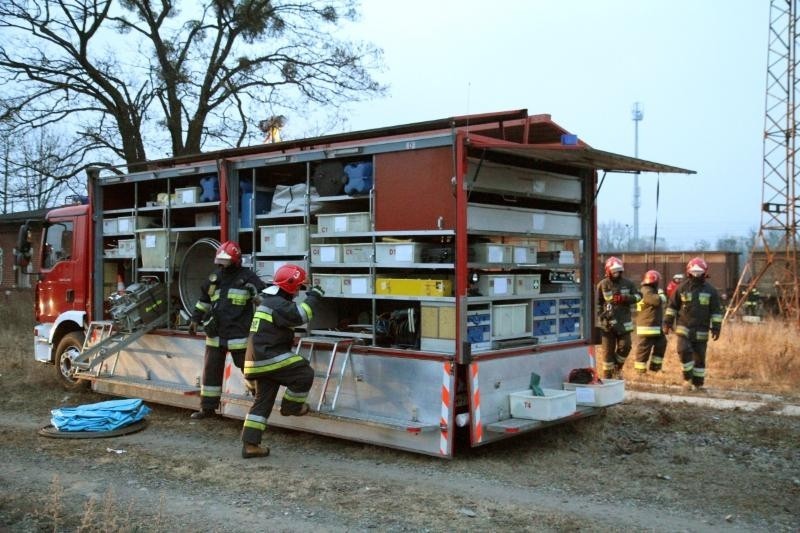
(101, 416)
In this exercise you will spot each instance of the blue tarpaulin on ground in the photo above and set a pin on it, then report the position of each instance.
(101, 416)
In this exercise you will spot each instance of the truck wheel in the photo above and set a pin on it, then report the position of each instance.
(69, 347)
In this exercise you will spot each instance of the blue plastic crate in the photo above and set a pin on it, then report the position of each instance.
(544, 307)
(479, 318)
(571, 325)
(569, 306)
(478, 333)
(545, 326)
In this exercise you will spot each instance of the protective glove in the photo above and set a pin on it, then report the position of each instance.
(192, 328)
(714, 334)
(666, 328)
(317, 291)
(620, 299)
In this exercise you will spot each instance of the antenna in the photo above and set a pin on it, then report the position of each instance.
(637, 114)
(776, 246)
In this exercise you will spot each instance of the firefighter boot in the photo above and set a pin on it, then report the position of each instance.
(294, 409)
(250, 451)
(203, 413)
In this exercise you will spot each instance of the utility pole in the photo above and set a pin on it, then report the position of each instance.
(637, 114)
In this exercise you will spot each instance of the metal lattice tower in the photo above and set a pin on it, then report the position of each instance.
(779, 203)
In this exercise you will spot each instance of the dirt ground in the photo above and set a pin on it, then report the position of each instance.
(641, 465)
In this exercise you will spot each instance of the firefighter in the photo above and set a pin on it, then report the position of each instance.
(652, 343)
(616, 298)
(225, 308)
(673, 284)
(270, 361)
(694, 310)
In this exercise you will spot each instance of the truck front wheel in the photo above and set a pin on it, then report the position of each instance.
(69, 348)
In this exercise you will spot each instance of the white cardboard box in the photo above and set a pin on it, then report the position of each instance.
(553, 405)
(609, 392)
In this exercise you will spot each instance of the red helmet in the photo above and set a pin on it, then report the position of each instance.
(651, 277)
(613, 265)
(289, 278)
(696, 268)
(228, 253)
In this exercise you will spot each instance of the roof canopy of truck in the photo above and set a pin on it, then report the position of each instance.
(503, 134)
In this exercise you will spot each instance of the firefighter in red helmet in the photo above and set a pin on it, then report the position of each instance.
(651, 342)
(694, 313)
(616, 298)
(270, 361)
(225, 309)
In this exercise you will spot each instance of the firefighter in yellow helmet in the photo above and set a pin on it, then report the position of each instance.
(616, 298)
(694, 312)
(651, 342)
(270, 361)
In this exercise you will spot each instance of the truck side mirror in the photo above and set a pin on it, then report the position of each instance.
(22, 253)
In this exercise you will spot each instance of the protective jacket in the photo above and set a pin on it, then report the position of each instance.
(650, 311)
(616, 317)
(229, 292)
(694, 309)
(269, 346)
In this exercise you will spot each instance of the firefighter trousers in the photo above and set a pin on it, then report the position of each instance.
(297, 379)
(650, 348)
(615, 350)
(693, 359)
(213, 370)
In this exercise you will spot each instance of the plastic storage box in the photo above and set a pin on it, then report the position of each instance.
(553, 405)
(491, 253)
(510, 320)
(326, 253)
(413, 287)
(154, 247)
(343, 222)
(357, 252)
(609, 392)
(356, 284)
(527, 284)
(330, 283)
(496, 285)
(187, 195)
(288, 239)
(398, 252)
(266, 268)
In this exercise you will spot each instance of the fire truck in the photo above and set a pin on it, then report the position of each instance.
(456, 257)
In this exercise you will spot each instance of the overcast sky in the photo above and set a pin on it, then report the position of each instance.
(698, 68)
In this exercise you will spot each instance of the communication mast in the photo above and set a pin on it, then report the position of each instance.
(637, 115)
(777, 237)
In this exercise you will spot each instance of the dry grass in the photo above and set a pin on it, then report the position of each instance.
(761, 357)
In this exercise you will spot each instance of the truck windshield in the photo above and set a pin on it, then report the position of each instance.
(57, 243)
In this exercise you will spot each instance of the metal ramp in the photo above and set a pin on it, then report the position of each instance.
(103, 341)
(309, 347)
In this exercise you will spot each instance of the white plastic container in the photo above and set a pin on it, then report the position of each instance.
(527, 284)
(553, 405)
(510, 320)
(609, 392)
(398, 252)
(496, 285)
(356, 284)
(343, 222)
(357, 252)
(330, 283)
(491, 253)
(266, 268)
(288, 239)
(326, 253)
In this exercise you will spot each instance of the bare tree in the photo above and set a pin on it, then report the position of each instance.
(137, 74)
(36, 169)
(613, 237)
